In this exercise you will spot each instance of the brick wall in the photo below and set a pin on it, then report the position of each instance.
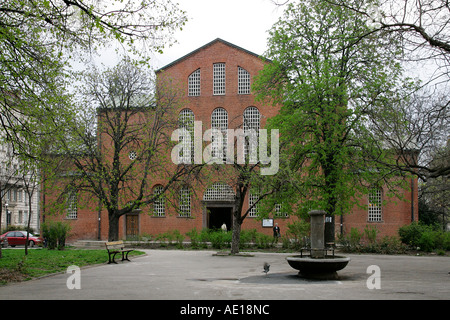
(86, 226)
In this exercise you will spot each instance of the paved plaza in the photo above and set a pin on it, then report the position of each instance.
(203, 275)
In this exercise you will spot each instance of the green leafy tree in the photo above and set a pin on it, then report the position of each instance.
(328, 79)
(40, 40)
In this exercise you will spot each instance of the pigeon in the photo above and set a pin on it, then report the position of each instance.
(266, 267)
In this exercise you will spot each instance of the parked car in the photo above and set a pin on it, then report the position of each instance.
(18, 238)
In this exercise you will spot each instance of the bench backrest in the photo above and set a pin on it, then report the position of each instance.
(115, 245)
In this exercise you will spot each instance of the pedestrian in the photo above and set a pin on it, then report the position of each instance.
(276, 232)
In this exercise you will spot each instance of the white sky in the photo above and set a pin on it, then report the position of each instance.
(242, 22)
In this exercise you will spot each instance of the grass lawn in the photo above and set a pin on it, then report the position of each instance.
(15, 266)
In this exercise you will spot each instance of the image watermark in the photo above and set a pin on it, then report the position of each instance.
(251, 146)
(374, 281)
(74, 280)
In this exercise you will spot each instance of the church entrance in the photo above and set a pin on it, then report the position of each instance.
(217, 216)
(218, 203)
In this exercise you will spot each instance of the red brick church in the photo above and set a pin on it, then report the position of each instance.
(216, 80)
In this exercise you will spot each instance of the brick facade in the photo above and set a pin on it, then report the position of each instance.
(89, 222)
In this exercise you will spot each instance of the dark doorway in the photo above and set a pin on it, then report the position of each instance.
(218, 216)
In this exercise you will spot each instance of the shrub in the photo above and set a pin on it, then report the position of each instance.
(170, 237)
(371, 234)
(55, 234)
(247, 238)
(427, 241)
(424, 237)
(431, 240)
(299, 232)
(220, 239)
(351, 241)
(195, 238)
(18, 228)
(391, 245)
(264, 241)
(411, 234)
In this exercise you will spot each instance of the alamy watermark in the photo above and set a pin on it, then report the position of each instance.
(74, 280)
(374, 281)
(252, 146)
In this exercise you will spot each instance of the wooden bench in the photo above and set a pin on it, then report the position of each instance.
(116, 247)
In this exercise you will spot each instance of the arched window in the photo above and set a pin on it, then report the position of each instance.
(219, 192)
(243, 81)
(185, 202)
(375, 199)
(252, 119)
(159, 209)
(194, 84)
(186, 120)
(219, 120)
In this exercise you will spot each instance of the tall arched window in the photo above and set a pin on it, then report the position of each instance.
(185, 202)
(243, 81)
(375, 199)
(159, 208)
(194, 84)
(186, 120)
(252, 119)
(219, 120)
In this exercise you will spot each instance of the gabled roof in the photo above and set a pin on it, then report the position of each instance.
(205, 46)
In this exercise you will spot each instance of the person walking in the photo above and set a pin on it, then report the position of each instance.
(276, 232)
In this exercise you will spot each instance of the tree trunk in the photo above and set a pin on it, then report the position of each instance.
(236, 233)
(329, 229)
(113, 232)
(1, 212)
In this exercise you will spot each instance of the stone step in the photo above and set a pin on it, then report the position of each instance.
(89, 244)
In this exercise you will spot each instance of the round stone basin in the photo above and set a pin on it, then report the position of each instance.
(324, 268)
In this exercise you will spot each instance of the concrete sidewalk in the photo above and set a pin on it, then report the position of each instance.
(201, 275)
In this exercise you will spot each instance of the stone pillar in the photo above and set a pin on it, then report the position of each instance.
(317, 233)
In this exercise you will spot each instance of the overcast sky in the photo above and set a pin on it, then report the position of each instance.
(242, 22)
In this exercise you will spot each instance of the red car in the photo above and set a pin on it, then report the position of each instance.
(18, 238)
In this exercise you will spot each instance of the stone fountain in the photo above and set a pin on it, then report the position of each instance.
(318, 264)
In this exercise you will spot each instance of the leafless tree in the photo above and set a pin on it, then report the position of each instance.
(120, 140)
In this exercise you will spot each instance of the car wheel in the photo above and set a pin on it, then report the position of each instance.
(31, 244)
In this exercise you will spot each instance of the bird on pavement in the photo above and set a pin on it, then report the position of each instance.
(266, 267)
